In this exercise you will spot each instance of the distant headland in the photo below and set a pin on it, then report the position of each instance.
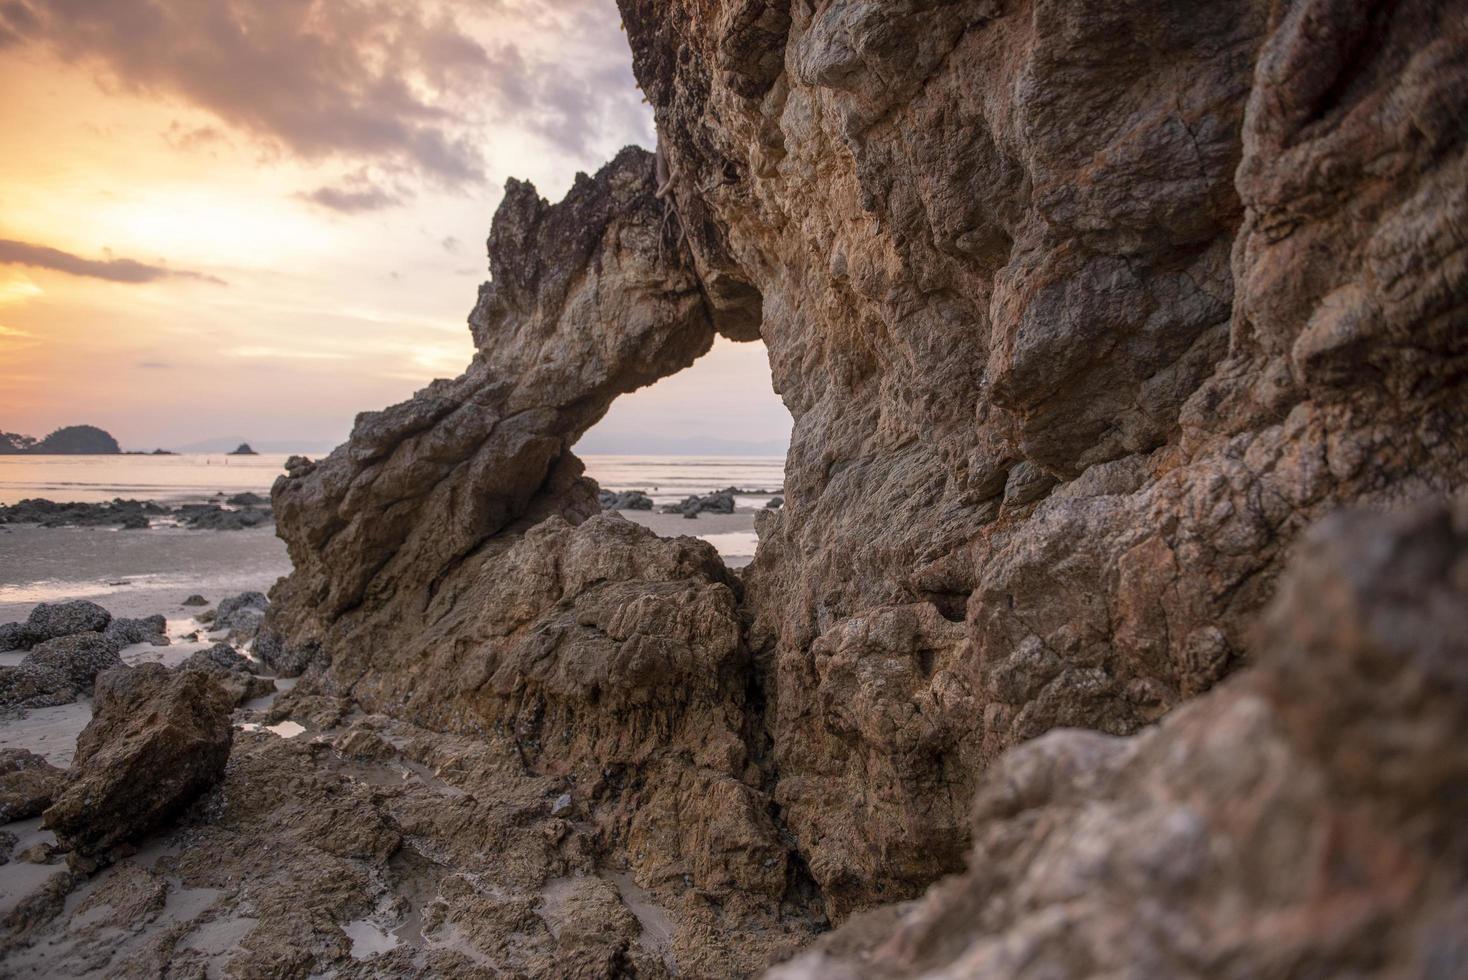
(72, 440)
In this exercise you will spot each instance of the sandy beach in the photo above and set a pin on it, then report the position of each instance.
(133, 573)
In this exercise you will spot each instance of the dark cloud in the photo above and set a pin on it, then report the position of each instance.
(353, 200)
(366, 79)
(402, 86)
(452, 245)
(113, 270)
(155, 365)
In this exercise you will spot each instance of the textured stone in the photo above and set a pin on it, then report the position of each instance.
(1083, 311)
(80, 658)
(28, 783)
(1290, 822)
(157, 739)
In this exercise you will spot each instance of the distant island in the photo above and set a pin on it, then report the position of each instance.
(243, 450)
(72, 440)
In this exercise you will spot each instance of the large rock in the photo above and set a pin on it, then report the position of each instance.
(157, 739)
(1083, 311)
(28, 783)
(1292, 821)
(32, 685)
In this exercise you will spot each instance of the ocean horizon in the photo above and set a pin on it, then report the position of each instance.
(192, 476)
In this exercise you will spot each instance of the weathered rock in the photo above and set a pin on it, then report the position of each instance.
(1300, 805)
(28, 783)
(1176, 259)
(241, 613)
(718, 502)
(78, 658)
(195, 600)
(150, 629)
(212, 517)
(47, 513)
(246, 499)
(157, 739)
(232, 670)
(32, 685)
(1083, 313)
(775, 503)
(626, 500)
(49, 621)
(13, 636)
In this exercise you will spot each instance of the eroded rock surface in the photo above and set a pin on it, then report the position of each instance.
(1083, 311)
(157, 739)
(1292, 822)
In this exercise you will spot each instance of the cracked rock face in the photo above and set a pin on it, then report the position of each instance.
(1295, 821)
(1083, 311)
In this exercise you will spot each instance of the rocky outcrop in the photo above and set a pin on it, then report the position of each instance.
(157, 739)
(1083, 313)
(1291, 822)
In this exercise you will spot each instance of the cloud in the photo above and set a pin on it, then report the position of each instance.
(284, 353)
(409, 87)
(352, 200)
(452, 245)
(366, 79)
(155, 365)
(110, 269)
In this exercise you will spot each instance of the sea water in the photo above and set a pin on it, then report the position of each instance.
(175, 479)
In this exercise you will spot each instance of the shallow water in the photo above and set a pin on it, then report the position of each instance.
(168, 479)
(668, 479)
(174, 479)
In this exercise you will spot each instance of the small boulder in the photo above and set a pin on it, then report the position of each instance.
(126, 632)
(241, 613)
(234, 672)
(28, 783)
(81, 657)
(32, 685)
(247, 499)
(627, 500)
(13, 636)
(195, 600)
(279, 656)
(775, 503)
(51, 620)
(157, 739)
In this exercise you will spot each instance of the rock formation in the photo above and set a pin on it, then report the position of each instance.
(1084, 312)
(1303, 819)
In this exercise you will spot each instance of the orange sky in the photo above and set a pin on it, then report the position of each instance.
(260, 218)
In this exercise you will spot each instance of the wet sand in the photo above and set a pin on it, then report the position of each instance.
(133, 573)
(733, 534)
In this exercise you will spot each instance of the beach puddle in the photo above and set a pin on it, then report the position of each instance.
(658, 926)
(285, 729)
(369, 939)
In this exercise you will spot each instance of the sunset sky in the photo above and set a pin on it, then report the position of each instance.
(259, 217)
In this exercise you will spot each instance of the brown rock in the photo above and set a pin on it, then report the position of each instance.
(1292, 821)
(1084, 312)
(28, 783)
(156, 740)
